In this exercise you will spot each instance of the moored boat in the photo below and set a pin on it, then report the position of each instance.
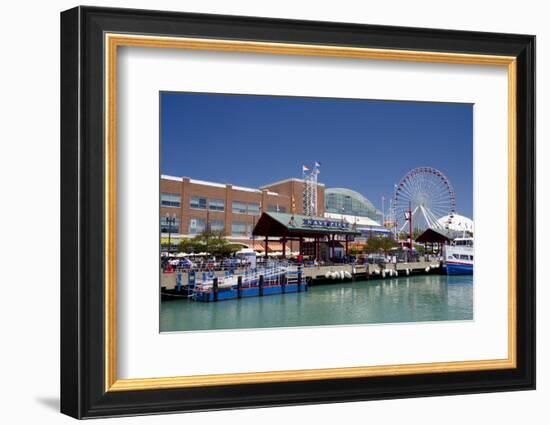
(459, 257)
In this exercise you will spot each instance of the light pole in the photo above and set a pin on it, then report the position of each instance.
(383, 215)
(207, 231)
(170, 220)
(252, 233)
(410, 232)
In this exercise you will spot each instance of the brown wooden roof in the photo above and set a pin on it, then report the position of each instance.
(282, 224)
(432, 236)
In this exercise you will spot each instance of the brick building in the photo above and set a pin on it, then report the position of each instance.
(188, 206)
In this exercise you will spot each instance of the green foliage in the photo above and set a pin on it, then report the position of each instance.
(354, 250)
(189, 246)
(405, 235)
(372, 245)
(379, 244)
(387, 243)
(213, 242)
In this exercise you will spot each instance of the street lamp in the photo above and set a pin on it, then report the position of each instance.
(170, 220)
(408, 216)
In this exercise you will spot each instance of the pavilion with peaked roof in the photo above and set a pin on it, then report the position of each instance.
(294, 227)
(432, 237)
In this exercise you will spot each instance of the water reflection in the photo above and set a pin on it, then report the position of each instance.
(406, 299)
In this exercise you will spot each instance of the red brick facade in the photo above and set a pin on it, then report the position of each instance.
(280, 196)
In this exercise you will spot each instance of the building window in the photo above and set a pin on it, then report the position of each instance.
(198, 202)
(254, 208)
(216, 225)
(169, 224)
(170, 200)
(241, 228)
(196, 226)
(239, 207)
(276, 208)
(216, 204)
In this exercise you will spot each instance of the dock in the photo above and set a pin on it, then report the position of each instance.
(223, 285)
(318, 274)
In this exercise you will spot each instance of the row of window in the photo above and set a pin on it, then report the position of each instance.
(203, 203)
(198, 225)
(250, 208)
(460, 257)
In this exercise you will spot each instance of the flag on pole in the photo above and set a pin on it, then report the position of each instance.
(304, 168)
(317, 164)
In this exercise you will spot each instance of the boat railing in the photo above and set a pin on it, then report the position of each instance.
(271, 276)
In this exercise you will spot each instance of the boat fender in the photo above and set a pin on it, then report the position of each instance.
(327, 275)
(347, 274)
(407, 272)
(342, 274)
(396, 273)
(377, 271)
(384, 274)
(427, 269)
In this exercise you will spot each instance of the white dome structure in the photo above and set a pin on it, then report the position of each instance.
(457, 223)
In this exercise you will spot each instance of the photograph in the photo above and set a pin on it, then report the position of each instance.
(290, 211)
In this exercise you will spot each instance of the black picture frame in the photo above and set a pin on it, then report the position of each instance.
(83, 392)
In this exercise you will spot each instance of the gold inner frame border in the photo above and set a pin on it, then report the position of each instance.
(112, 41)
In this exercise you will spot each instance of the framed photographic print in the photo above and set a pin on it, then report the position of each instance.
(261, 212)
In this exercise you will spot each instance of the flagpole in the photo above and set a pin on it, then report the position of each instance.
(383, 215)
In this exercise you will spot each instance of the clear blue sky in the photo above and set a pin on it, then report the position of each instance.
(362, 145)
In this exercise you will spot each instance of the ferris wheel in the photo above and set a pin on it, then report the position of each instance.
(426, 195)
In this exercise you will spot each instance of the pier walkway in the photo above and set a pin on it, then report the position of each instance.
(313, 273)
(365, 271)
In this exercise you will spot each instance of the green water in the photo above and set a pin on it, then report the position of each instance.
(404, 299)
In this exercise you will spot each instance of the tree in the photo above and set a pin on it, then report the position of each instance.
(387, 243)
(211, 241)
(372, 245)
(380, 243)
(405, 235)
(186, 245)
(354, 250)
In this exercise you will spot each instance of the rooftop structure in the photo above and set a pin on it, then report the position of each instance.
(323, 234)
(349, 202)
(457, 223)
